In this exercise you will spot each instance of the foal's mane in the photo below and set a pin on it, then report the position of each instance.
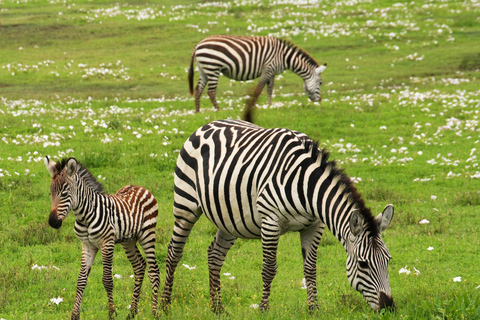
(82, 173)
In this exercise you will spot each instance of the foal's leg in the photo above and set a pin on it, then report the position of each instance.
(147, 241)
(107, 257)
(139, 265)
(216, 256)
(310, 238)
(88, 256)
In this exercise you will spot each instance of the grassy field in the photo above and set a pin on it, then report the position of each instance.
(106, 82)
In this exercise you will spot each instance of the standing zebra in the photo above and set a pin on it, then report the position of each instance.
(248, 58)
(102, 220)
(260, 183)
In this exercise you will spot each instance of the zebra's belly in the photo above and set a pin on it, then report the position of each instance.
(238, 225)
(299, 223)
(249, 226)
(240, 75)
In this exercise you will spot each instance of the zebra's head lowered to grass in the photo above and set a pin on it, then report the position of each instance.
(313, 82)
(368, 257)
(63, 187)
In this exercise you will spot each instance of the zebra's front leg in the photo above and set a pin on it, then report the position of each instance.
(181, 231)
(107, 279)
(139, 266)
(216, 256)
(88, 256)
(310, 238)
(270, 237)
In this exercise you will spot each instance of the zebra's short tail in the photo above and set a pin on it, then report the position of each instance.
(249, 108)
(190, 74)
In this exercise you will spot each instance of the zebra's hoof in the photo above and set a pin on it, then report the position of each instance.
(264, 307)
(312, 308)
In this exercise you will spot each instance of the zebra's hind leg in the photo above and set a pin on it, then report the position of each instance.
(139, 266)
(212, 92)
(216, 256)
(202, 81)
(270, 237)
(310, 238)
(147, 241)
(184, 222)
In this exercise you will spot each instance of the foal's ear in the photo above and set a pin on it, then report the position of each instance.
(50, 166)
(72, 167)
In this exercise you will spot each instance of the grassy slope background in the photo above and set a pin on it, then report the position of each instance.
(106, 82)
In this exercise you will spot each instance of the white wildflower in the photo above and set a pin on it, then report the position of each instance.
(188, 267)
(404, 270)
(56, 300)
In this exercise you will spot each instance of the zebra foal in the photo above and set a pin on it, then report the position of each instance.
(248, 58)
(258, 183)
(103, 220)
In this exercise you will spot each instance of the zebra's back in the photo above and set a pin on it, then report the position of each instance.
(225, 166)
(136, 209)
(237, 57)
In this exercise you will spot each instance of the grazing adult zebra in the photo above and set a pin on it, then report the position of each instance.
(102, 220)
(260, 183)
(248, 58)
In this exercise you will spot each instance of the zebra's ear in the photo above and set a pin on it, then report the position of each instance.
(383, 219)
(50, 166)
(356, 222)
(321, 69)
(71, 167)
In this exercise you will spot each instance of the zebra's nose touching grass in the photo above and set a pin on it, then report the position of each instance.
(386, 301)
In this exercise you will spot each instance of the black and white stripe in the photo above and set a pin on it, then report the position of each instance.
(260, 183)
(102, 220)
(248, 58)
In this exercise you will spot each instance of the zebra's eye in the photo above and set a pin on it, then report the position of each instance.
(363, 264)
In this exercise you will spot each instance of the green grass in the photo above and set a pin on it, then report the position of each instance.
(399, 111)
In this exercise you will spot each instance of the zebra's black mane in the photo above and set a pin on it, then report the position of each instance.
(300, 51)
(321, 156)
(83, 173)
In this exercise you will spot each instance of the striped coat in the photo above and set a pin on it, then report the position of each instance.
(258, 183)
(103, 220)
(248, 58)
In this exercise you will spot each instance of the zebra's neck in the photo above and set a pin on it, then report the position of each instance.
(298, 61)
(330, 195)
(87, 202)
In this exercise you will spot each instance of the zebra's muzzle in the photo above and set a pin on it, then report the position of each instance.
(54, 221)
(386, 301)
